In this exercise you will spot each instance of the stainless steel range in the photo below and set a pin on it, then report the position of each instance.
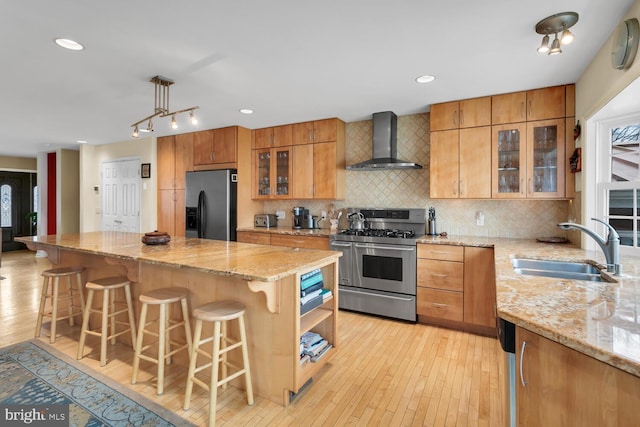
(378, 266)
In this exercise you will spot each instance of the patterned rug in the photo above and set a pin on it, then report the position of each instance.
(35, 374)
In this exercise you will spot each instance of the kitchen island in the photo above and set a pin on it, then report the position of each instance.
(265, 278)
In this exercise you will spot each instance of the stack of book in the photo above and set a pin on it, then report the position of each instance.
(312, 347)
(311, 290)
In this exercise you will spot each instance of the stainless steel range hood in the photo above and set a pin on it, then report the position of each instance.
(385, 146)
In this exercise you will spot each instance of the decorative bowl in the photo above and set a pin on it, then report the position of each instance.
(156, 238)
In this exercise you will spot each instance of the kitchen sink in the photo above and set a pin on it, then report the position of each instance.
(574, 270)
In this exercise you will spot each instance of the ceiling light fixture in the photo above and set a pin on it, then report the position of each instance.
(192, 118)
(556, 24)
(246, 111)
(425, 79)
(161, 106)
(69, 44)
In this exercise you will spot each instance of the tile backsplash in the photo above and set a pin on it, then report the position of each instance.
(410, 189)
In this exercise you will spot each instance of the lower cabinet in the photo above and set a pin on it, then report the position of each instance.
(557, 386)
(171, 212)
(289, 240)
(456, 287)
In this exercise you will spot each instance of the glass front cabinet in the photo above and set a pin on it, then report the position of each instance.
(528, 160)
(272, 173)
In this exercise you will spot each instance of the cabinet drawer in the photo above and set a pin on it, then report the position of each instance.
(440, 304)
(447, 275)
(250, 237)
(300, 241)
(441, 252)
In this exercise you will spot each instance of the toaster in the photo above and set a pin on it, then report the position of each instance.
(265, 220)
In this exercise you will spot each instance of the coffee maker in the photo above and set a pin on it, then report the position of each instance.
(300, 217)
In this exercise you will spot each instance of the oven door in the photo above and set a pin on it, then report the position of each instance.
(345, 261)
(384, 267)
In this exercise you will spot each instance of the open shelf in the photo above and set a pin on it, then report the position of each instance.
(312, 318)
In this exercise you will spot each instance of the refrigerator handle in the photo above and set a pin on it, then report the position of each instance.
(201, 215)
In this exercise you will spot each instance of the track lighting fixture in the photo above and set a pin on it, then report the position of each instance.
(556, 24)
(161, 106)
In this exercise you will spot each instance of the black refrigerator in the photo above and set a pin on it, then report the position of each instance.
(211, 204)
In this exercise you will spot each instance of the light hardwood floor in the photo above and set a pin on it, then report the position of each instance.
(384, 373)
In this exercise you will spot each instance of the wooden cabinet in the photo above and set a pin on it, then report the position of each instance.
(479, 287)
(461, 163)
(325, 180)
(440, 282)
(277, 136)
(295, 241)
(456, 287)
(529, 160)
(531, 105)
(253, 237)
(317, 168)
(565, 387)
(215, 148)
(174, 159)
(461, 114)
(272, 173)
(316, 131)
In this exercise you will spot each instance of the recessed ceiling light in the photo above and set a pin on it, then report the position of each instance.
(246, 111)
(425, 79)
(80, 141)
(69, 44)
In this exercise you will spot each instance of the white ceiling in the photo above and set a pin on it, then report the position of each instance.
(289, 60)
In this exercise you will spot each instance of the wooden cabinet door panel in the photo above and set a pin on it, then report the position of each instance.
(283, 136)
(184, 158)
(441, 252)
(180, 217)
(251, 237)
(445, 275)
(479, 286)
(303, 133)
(509, 161)
(325, 130)
(203, 147)
(166, 163)
(546, 103)
(224, 145)
(475, 163)
(262, 138)
(475, 112)
(444, 165)
(324, 170)
(546, 160)
(444, 116)
(300, 241)
(166, 211)
(509, 108)
(439, 304)
(302, 174)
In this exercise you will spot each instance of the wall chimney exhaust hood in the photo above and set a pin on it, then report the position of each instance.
(385, 146)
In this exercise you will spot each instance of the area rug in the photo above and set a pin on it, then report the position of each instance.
(35, 374)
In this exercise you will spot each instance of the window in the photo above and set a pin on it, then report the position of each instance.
(619, 186)
(5, 205)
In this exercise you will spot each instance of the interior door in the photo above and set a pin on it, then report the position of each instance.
(121, 195)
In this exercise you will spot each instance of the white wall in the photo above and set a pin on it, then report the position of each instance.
(91, 159)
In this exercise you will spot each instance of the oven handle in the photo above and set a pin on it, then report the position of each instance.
(344, 245)
(393, 248)
(341, 289)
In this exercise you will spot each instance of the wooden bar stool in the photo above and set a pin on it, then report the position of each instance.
(51, 289)
(163, 298)
(218, 312)
(109, 313)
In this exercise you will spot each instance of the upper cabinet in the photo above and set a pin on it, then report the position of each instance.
(277, 136)
(316, 131)
(215, 148)
(315, 164)
(461, 114)
(532, 105)
(175, 159)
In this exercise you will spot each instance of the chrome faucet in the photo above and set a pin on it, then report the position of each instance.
(610, 247)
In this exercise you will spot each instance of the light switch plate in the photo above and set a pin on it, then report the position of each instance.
(280, 214)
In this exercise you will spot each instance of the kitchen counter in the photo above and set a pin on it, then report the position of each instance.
(266, 279)
(599, 319)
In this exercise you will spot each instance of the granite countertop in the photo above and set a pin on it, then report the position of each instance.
(599, 319)
(244, 260)
(315, 232)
